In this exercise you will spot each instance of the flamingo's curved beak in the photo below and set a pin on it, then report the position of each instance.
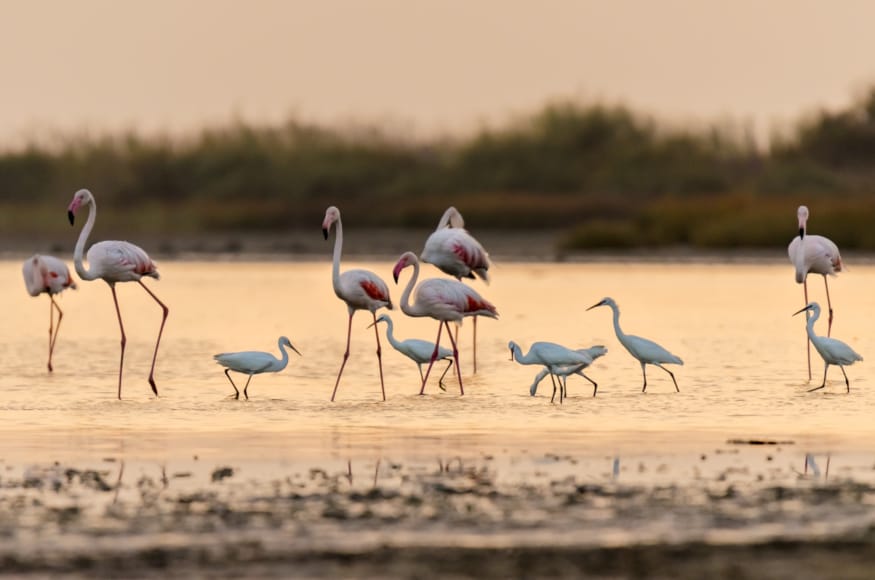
(396, 271)
(801, 233)
(71, 216)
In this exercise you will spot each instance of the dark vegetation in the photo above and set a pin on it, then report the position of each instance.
(599, 176)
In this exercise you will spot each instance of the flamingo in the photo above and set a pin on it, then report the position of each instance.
(50, 275)
(254, 362)
(832, 351)
(456, 252)
(114, 262)
(360, 289)
(646, 351)
(813, 254)
(445, 301)
(551, 355)
(563, 372)
(419, 351)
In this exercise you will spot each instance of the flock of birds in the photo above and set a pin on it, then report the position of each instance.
(452, 250)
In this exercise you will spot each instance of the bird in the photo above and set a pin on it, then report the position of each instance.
(114, 262)
(444, 300)
(831, 350)
(419, 351)
(457, 253)
(254, 362)
(564, 371)
(49, 275)
(646, 351)
(360, 289)
(813, 254)
(551, 355)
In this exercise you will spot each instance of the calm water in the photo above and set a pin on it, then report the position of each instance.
(744, 374)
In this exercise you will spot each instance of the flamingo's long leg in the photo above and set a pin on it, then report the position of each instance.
(807, 316)
(237, 396)
(345, 354)
(165, 311)
(379, 355)
(828, 304)
(456, 357)
(124, 341)
(437, 345)
(475, 344)
(53, 334)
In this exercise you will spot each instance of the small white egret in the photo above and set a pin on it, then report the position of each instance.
(833, 352)
(646, 351)
(563, 372)
(551, 355)
(419, 351)
(813, 254)
(254, 362)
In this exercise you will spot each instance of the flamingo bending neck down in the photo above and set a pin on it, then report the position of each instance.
(114, 261)
(813, 254)
(444, 300)
(49, 275)
(360, 289)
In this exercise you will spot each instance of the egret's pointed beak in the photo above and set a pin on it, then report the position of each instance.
(372, 324)
(511, 354)
(71, 216)
(296, 350)
(325, 233)
(596, 305)
(801, 311)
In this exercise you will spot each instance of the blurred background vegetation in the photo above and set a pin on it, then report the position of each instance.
(600, 177)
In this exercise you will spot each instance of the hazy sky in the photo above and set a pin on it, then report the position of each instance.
(436, 66)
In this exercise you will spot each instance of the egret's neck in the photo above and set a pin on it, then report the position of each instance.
(284, 360)
(809, 327)
(390, 333)
(619, 331)
(79, 250)
(520, 357)
(406, 307)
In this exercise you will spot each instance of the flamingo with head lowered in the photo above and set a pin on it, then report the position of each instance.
(114, 262)
(50, 275)
(444, 300)
(360, 289)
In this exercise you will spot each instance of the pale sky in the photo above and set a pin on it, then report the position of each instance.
(421, 67)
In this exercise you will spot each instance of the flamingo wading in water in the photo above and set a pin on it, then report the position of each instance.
(832, 351)
(254, 362)
(419, 351)
(360, 289)
(114, 261)
(456, 252)
(646, 351)
(50, 275)
(445, 301)
(813, 254)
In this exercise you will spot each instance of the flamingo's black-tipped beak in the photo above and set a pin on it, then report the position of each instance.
(395, 276)
(325, 232)
(802, 310)
(71, 216)
(801, 233)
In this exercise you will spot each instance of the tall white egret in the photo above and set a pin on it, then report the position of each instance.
(831, 350)
(49, 275)
(254, 362)
(813, 254)
(419, 351)
(646, 351)
(564, 372)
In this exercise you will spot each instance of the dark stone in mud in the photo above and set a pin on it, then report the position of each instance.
(222, 472)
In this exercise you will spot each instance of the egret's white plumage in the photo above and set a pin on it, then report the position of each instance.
(817, 255)
(831, 350)
(646, 351)
(360, 289)
(563, 372)
(114, 261)
(444, 300)
(551, 355)
(48, 275)
(254, 362)
(417, 350)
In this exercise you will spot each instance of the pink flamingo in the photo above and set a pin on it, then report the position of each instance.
(445, 301)
(114, 262)
(456, 252)
(813, 254)
(50, 275)
(360, 289)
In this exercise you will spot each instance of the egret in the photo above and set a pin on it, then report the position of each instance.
(360, 289)
(563, 373)
(114, 262)
(254, 362)
(646, 351)
(419, 351)
(813, 254)
(832, 351)
(49, 275)
(444, 300)
(551, 355)
(456, 252)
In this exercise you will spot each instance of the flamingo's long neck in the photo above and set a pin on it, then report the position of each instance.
(79, 250)
(285, 358)
(406, 307)
(338, 248)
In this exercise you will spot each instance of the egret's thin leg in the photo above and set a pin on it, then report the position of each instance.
(553, 380)
(421, 377)
(237, 395)
(825, 368)
(847, 382)
(345, 354)
(595, 385)
(563, 394)
(456, 357)
(446, 370)
(379, 356)
(644, 372)
(807, 316)
(437, 345)
(121, 360)
(246, 388)
(672, 376)
(828, 304)
(165, 312)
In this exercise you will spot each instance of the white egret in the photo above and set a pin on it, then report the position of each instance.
(833, 352)
(551, 355)
(417, 350)
(646, 351)
(563, 372)
(254, 362)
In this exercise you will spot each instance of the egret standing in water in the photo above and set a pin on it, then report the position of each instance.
(551, 355)
(563, 373)
(419, 351)
(813, 254)
(646, 351)
(254, 362)
(50, 275)
(832, 351)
